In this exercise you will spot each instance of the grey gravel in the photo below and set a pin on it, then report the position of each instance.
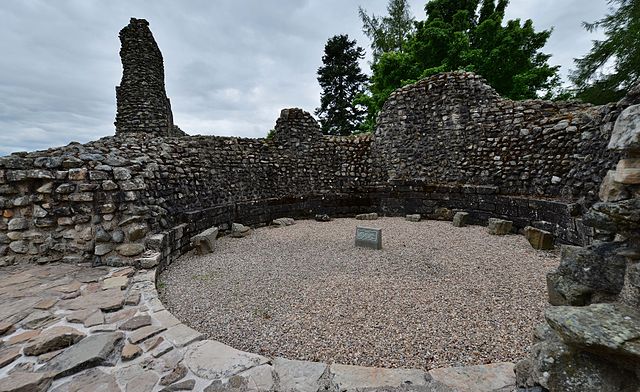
(435, 296)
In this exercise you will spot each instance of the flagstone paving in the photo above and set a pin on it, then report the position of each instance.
(67, 328)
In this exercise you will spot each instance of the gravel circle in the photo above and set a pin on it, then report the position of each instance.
(435, 296)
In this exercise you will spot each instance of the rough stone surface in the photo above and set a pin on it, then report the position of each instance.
(302, 376)
(52, 339)
(368, 216)
(626, 132)
(413, 217)
(499, 226)
(213, 360)
(353, 378)
(93, 380)
(25, 382)
(484, 378)
(460, 219)
(135, 323)
(205, 242)
(95, 350)
(539, 239)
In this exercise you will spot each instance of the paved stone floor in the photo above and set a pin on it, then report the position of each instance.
(67, 328)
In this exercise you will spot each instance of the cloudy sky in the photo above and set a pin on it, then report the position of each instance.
(230, 65)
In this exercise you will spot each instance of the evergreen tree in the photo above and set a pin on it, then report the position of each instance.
(467, 35)
(389, 33)
(613, 64)
(341, 80)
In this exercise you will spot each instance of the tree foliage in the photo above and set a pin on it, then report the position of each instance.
(341, 80)
(613, 64)
(469, 35)
(388, 33)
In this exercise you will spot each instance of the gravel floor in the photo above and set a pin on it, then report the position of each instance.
(435, 296)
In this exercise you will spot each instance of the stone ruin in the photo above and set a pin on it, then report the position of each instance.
(446, 144)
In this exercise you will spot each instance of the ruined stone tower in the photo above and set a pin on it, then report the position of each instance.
(143, 106)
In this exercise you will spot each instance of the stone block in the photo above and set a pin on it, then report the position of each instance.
(626, 131)
(413, 217)
(281, 222)
(367, 237)
(369, 216)
(239, 230)
(499, 226)
(322, 218)
(460, 219)
(539, 239)
(628, 171)
(610, 190)
(204, 242)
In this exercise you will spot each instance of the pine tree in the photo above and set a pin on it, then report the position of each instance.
(342, 81)
(389, 33)
(613, 64)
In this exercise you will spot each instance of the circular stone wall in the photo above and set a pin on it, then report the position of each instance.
(435, 296)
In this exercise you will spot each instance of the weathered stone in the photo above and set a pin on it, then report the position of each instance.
(137, 231)
(93, 319)
(23, 337)
(136, 323)
(180, 335)
(413, 217)
(350, 378)
(166, 319)
(53, 339)
(93, 380)
(460, 219)
(18, 224)
(107, 300)
(213, 360)
(499, 226)
(133, 298)
(368, 237)
(628, 171)
(130, 351)
(45, 304)
(144, 382)
(8, 355)
(239, 230)
(539, 239)
(25, 382)
(177, 374)
(369, 216)
(37, 319)
(6, 327)
(162, 349)
(149, 259)
(144, 333)
(186, 385)
(282, 222)
(493, 377)
(299, 376)
(610, 190)
(117, 282)
(204, 242)
(102, 249)
(322, 218)
(95, 350)
(130, 250)
(605, 329)
(626, 132)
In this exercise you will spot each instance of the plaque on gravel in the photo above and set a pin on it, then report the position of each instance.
(369, 238)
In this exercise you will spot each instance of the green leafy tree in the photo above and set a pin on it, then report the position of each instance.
(469, 35)
(388, 33)
(613, 64)
(342, 81)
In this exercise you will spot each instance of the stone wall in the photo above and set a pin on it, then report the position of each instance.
(590, 340)
(454, 129)
(142, 101)
(108, 201)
